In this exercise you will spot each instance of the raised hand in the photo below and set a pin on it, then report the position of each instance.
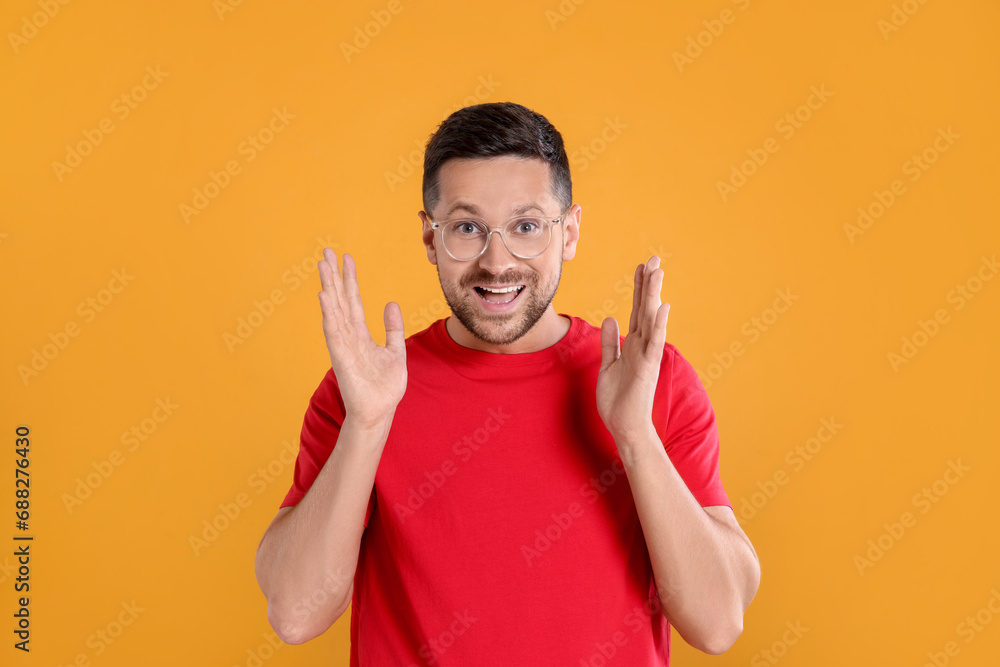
(626, 382)
(371, 378)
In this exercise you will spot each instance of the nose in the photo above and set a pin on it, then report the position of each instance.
(496, 258)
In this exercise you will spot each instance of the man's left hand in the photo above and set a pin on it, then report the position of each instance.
(627, 379)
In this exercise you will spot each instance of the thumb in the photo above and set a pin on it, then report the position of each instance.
(393, 318)
(610, 342)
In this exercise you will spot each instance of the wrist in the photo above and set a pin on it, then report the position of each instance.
(636, 430)
(373, 426)
(634, 439)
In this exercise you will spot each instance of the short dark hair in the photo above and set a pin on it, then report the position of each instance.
(491, 130)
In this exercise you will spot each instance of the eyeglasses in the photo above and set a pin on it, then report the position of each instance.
(525, 236)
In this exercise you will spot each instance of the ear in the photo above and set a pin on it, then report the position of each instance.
(571, 232)
(427, 235)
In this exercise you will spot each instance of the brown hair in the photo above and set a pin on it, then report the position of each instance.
(492, 130)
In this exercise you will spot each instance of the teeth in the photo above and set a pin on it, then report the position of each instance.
(501, 290)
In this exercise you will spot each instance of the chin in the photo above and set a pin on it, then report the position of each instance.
(500, 335)
(500, 328)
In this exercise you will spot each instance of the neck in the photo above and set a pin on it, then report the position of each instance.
(547, 331)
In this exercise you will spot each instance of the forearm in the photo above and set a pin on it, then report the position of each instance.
(307, 558)
(706, 572)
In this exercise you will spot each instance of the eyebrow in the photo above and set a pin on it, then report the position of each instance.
(472, 209)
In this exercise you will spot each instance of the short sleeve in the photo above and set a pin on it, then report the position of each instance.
(320, 429)
(685, 420)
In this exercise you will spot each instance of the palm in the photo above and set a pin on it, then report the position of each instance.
(371, 378)
(626, 382)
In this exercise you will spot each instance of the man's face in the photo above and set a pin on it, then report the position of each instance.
(495, 190)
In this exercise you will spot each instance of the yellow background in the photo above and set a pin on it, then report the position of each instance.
(650, 185)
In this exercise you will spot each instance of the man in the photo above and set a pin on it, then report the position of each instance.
(511, 485)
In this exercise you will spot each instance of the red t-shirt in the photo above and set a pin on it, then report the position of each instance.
(502, 529)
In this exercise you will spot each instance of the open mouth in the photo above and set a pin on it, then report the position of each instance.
(499, 296)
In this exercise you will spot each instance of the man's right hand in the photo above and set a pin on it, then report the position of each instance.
(371, 378)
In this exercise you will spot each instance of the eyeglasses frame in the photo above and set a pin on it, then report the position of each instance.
(499, 230)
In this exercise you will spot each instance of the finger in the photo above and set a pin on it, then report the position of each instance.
(332, 310)
(633, 320)
(394, 337)
(337, 283)
(659, 337)
(353, 290)
(327, 266)
(651, 297)
(610, 342)
(325, 277)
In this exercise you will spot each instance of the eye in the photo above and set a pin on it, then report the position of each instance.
(466, 227)
(527, 226)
